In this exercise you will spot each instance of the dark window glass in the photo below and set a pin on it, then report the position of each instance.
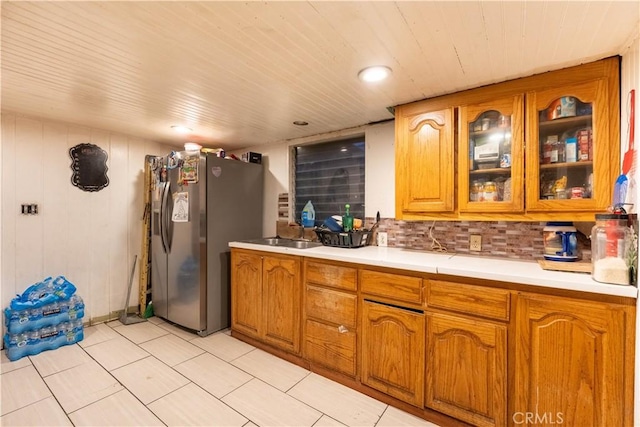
(330, 174)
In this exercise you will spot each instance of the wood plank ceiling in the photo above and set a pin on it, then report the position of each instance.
(239, 73)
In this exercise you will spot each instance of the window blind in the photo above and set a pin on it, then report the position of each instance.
(330, 174)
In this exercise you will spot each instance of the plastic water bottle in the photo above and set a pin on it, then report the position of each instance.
(75, 305)
(67, 329)
(22, 316)
(33, 295)
(63, 306)
(13, 340)
(33, 337)
(21, 340)
(35, 314)
(77, 325)
(50, 309)
(49, 288)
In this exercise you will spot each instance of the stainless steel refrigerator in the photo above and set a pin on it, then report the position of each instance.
(199, 204)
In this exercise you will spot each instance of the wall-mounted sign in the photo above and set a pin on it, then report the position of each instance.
(89, 166)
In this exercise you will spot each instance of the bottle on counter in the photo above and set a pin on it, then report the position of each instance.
(347, 219)
(308, 215)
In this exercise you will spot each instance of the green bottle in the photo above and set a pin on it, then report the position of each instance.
(347, 219)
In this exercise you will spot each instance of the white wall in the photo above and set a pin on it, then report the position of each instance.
(380, 179)
(630, 79)
(88, 237)
(275, 160)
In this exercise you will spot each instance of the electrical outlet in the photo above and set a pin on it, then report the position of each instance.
(29, 209)
(382, 238)
(475, 243)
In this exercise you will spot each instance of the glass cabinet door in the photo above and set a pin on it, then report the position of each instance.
(564, 152)
(491, 172)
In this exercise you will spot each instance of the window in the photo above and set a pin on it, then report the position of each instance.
(330, 174)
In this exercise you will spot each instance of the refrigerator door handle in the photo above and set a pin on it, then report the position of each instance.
(164, 219)
(161, 220)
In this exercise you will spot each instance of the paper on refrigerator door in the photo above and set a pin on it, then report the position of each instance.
(180, 207)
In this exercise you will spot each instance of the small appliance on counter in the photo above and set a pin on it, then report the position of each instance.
(560, 241)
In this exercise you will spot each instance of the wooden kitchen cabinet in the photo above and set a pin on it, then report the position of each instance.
(424, 160)
(246, 292)
(466, 369)
(491, 123)
(573, 361)
(266, 298)
(466, 363)
(330, 316)
(571, 163)
(485, 353)
(391, 286)
(468, 299)
(491, 176)
(392, 348)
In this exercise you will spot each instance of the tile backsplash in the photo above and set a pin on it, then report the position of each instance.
(518, 240)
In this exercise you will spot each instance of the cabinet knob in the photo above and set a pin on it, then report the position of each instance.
(342, 329)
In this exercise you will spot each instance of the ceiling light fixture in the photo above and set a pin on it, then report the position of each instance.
(181, 129)
(192, 146)
(374, 74)
(300, 123)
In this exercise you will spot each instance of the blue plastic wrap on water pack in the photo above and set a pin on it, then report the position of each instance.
(18, 321)
(43, 293)
(46, 316)
(32, 342)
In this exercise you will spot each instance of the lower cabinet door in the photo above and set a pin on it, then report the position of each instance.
(570, 362)
(281, 302)
(466, 367)
(393, 351)
(331, 346)
(246, 293)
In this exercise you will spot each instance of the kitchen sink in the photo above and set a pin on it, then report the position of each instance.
(304, 244)
(287, 243)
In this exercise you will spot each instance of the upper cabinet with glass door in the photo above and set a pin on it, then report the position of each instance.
(490, 177)
(568, 149)
(540, 148)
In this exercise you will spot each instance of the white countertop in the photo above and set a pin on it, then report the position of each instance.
(499, 269)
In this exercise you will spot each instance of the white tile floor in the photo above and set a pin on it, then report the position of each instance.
(154, 373)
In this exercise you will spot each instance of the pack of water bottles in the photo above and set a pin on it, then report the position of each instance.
(46, 316)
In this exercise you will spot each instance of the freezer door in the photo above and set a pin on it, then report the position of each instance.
(234, 212)
(187, 242)
(158, 251)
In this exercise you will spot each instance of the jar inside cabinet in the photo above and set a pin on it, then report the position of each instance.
(565, 133)
(569, 150)
(492, 134)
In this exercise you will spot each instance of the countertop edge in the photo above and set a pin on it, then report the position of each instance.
(520, 272)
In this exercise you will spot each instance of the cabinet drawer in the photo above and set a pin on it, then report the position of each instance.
(330, 346)
(469, 299)
(396, 286)
(331, 275)
(330, 306)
